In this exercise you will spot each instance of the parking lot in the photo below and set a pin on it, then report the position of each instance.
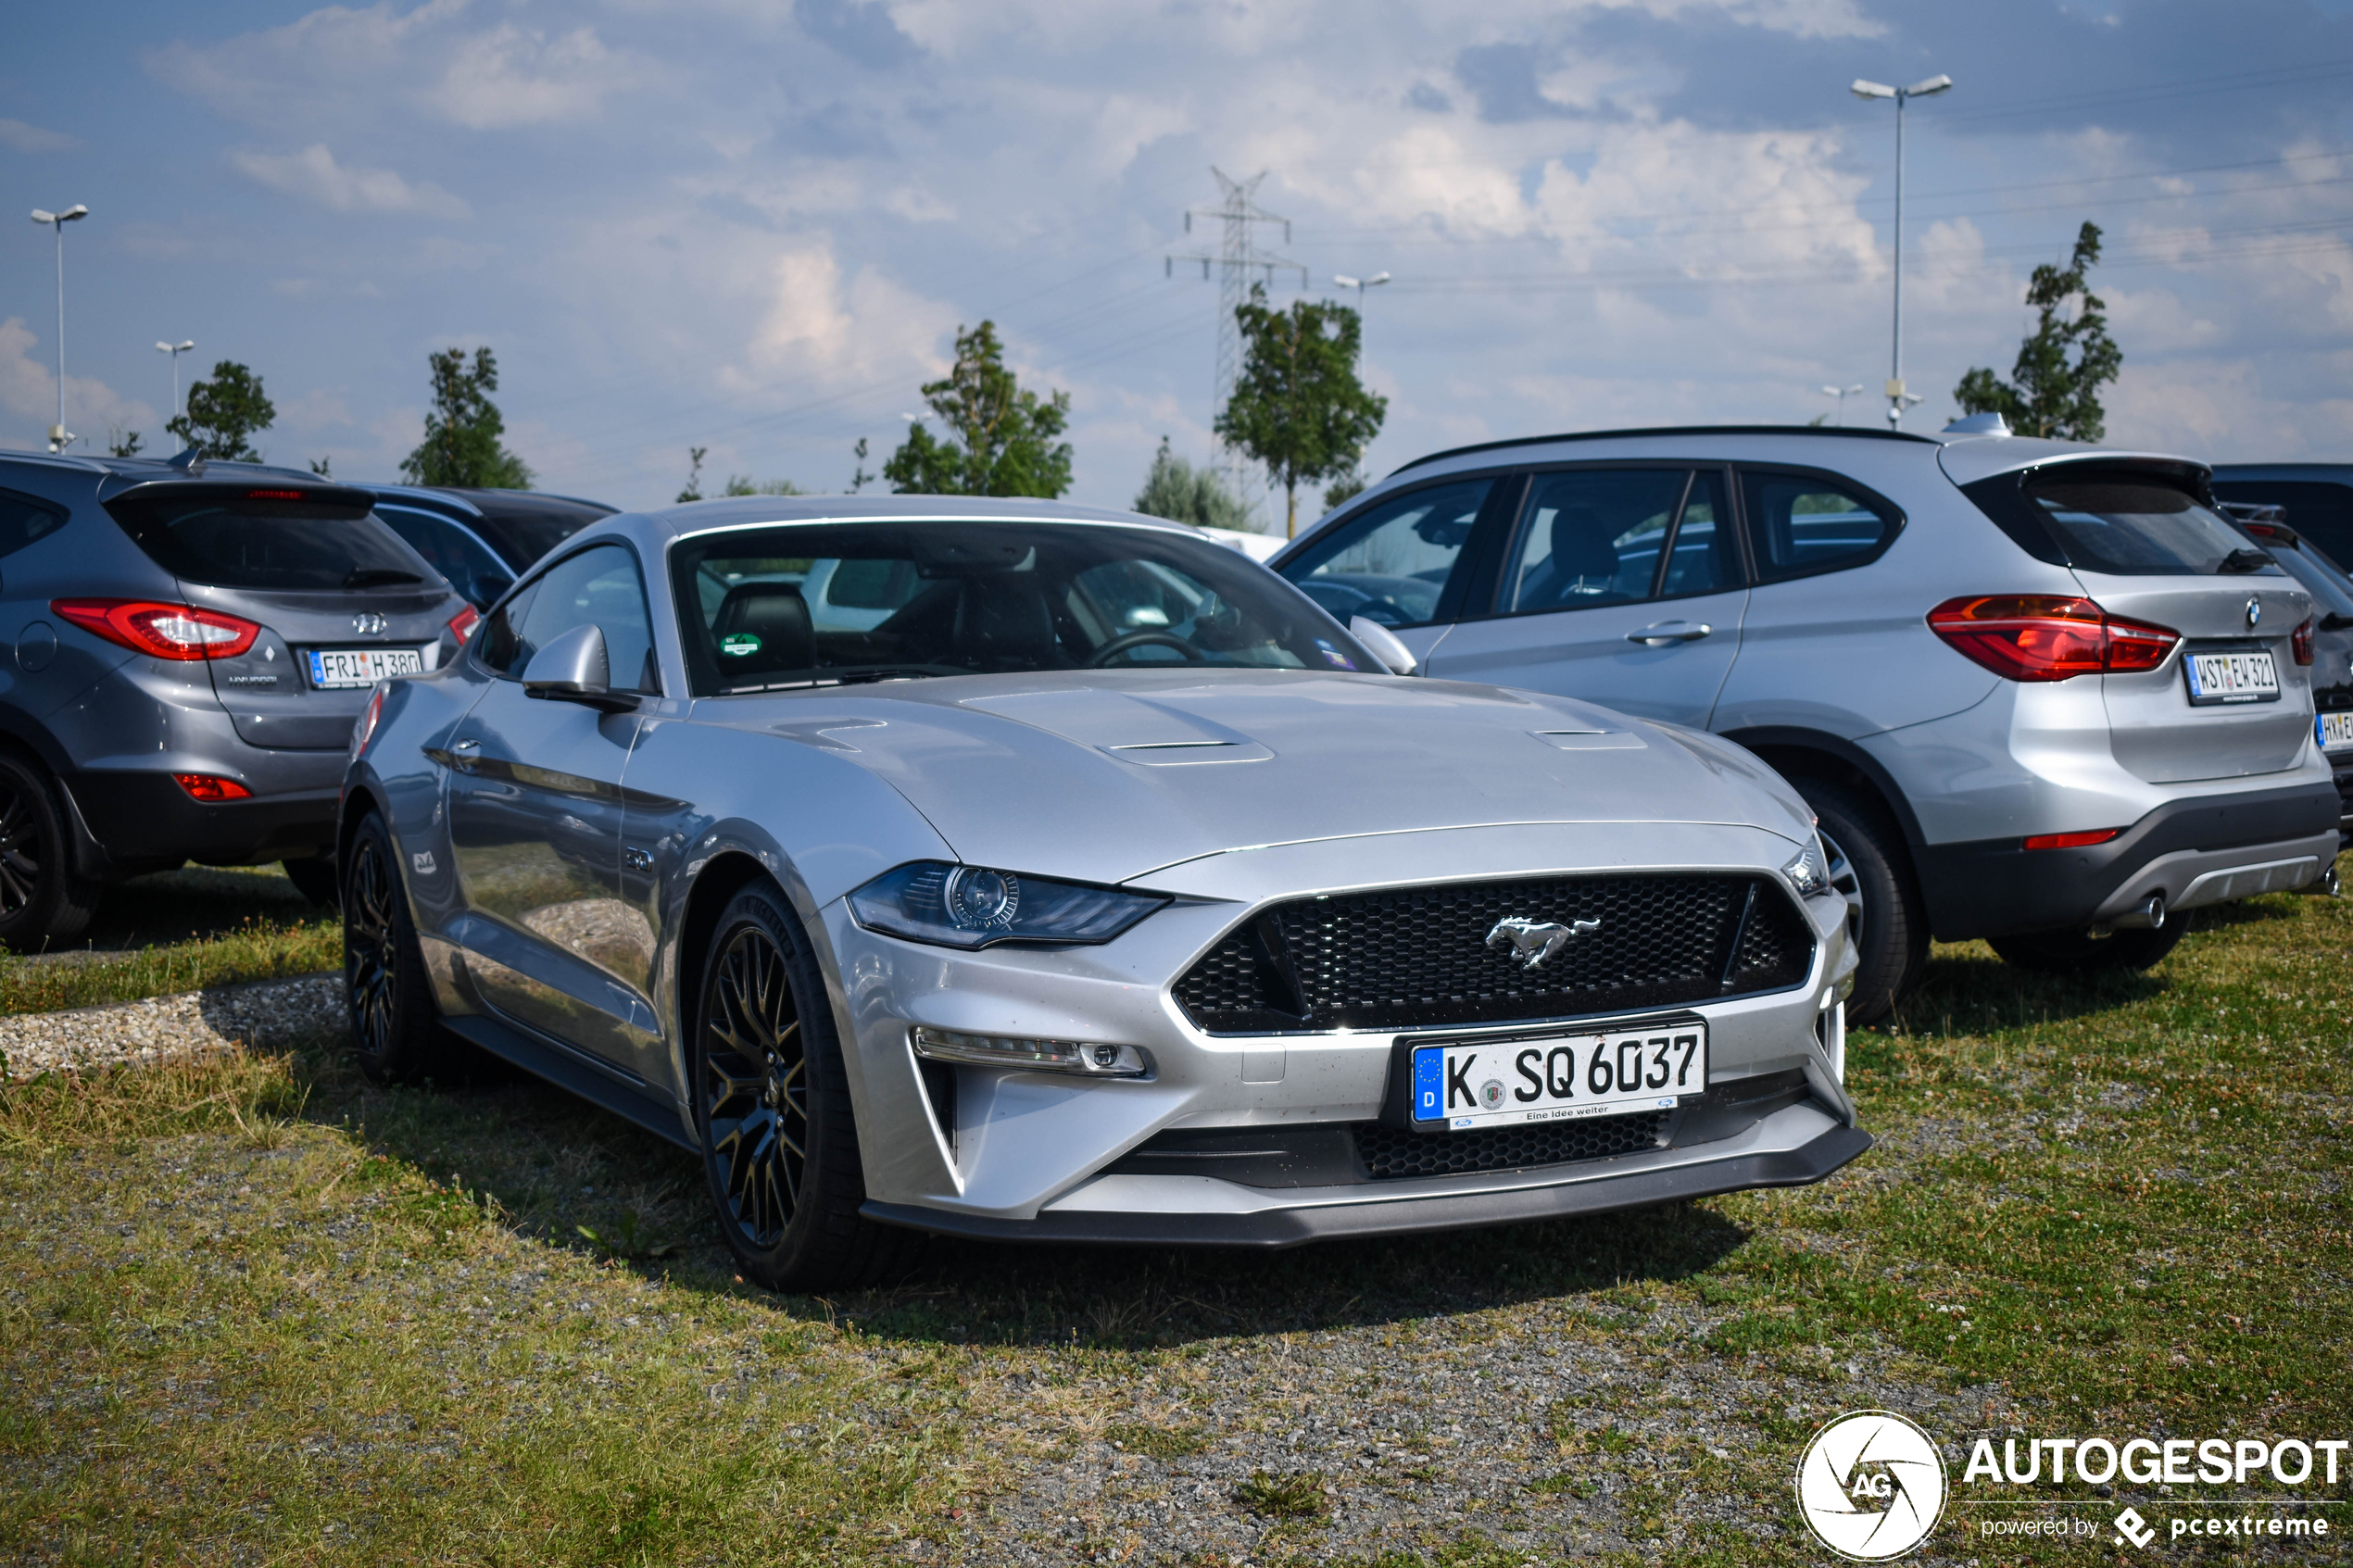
(257, 1311)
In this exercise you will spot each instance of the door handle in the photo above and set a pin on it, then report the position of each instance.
(1658, 634)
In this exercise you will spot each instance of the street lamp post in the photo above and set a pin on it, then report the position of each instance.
(1360, 285)
(1840, 392)
(1897, 398)
(175, 350)
(57, 220)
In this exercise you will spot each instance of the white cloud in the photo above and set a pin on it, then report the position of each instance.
(20, 137)
(314, 175)
(93, 409)
(510, 76)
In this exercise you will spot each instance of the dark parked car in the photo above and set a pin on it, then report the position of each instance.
(182, 649)
(2332, 591)
(481, 540)
(2318, 498)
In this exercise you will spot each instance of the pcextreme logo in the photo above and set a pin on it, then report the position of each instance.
(1871, 1485)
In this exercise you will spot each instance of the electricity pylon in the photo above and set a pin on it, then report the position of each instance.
(1239, 263)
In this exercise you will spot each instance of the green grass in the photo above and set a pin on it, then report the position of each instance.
(253, 1299)
(179, 931)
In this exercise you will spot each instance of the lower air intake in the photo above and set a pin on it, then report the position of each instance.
(1389, 1153)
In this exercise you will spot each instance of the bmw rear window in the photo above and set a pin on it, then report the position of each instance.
(260, 536)
(2128, 526)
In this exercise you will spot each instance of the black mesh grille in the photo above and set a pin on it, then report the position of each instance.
(1390, 1152)
(1419, 956)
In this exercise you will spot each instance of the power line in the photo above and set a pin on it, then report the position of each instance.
(1237, 259)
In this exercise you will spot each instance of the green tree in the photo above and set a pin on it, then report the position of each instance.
(694, 475)
(2050, 393)
(744, 484)
(1298, 406)
(463, 429)
(1344, 489)
(1004, 437)
(224, 414)
(1175, 489)
(125, 444)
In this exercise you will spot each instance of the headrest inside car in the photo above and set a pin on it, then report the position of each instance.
(769, 623)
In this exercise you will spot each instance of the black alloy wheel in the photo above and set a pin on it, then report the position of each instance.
(755, 1090)
(773, 1112)
(396, 1027)
(42, 902)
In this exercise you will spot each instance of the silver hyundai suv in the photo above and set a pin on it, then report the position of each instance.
(182, 649)
(2037, 692)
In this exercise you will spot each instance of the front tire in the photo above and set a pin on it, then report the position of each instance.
(395, 1028)
(42, 902)
(1886, 921)
(2079, 952)
(773, 1112)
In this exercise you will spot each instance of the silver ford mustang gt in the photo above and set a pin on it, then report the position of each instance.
(1018, 870)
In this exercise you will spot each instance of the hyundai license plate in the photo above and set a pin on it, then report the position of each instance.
(1497, 1082)
(332, 668)
(2333, 731)
(2231, 677)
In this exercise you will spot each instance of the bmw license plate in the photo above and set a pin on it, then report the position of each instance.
(332, 668)
(1497, 1082)
(2333, 731)
(2247, 676)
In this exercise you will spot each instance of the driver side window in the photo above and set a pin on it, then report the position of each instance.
(601, 585)
(1392, 563)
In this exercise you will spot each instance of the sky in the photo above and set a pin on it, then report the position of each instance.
(756, 226)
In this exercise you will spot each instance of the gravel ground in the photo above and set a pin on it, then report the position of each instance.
(158, 1028)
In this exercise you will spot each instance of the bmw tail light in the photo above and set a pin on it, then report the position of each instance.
(2299, 641)
(462, 624)
(2049, 637)
(212, 789)
(160, 630)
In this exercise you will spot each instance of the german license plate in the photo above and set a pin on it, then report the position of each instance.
(332, 668)
(2333, 731)
(1497, 1082)
(2231, 677)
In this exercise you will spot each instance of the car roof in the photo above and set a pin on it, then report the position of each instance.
(704, 517)
(140, 469)
(1829, 432)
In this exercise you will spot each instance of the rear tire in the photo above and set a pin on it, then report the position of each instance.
(396, 1027)
(43, 904)
(2079, 952)
(773, 1112)
(315, 878)
(1888, 925)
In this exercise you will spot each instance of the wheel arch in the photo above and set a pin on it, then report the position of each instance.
(1795, 753)
(724, 875)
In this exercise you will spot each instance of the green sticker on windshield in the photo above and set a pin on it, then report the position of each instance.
(739, 644)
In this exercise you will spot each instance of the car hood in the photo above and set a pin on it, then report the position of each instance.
(1109, 776)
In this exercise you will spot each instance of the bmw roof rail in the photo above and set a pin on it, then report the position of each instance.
(1864, 432)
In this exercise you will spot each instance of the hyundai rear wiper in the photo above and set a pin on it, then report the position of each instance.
(377, 577)
(2242, 560)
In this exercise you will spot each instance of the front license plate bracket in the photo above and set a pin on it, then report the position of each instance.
(1682, 1062)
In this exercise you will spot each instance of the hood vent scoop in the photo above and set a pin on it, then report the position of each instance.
(1591, 740)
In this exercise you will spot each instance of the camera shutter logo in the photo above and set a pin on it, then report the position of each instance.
(1871, 1485)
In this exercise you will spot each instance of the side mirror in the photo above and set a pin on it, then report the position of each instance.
(1379, 641)
(573, 668)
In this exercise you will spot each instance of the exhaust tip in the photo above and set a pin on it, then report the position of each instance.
(2154, 911)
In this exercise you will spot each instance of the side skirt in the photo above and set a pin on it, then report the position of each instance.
(567, 1070)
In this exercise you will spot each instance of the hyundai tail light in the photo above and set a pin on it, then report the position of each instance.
(2072, 840)
(462, 624)
(2049, 637)
(160, 630)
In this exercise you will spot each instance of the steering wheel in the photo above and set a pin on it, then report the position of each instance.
(1148, 638)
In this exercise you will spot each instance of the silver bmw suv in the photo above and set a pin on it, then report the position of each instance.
(182, 649)
(2036, 692)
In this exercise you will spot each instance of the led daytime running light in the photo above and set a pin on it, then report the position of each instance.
(1088, 1059)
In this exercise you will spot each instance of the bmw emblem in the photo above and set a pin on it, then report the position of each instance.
(2254, 612)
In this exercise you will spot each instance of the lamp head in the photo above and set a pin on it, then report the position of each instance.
(1930, 88)
(1377, 278)
(69, 213)
(1344, 281)
(1871, 90)
(40, 216)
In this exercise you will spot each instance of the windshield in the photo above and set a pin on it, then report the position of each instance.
(786, 607)
(247, 537)
(2130, 527)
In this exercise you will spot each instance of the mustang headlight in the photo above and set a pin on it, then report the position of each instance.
(1810, 873)
(973, 906)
